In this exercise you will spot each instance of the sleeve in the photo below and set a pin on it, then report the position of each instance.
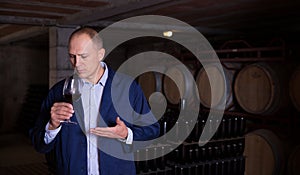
(50, 134)
(144, 128)
(37, 133)
(129, 138)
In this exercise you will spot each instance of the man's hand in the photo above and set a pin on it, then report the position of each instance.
(59, 112)
(118, 132)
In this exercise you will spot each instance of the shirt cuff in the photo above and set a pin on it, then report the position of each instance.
(50, 134)
(129, 139)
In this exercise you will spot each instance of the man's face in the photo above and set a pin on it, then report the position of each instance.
(85, 57)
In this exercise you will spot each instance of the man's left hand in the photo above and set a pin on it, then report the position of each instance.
(118, 132)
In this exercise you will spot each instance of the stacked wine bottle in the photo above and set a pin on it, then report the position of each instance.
(220, 155)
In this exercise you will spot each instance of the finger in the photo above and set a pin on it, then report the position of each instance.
(59, 118)
(63, 104)
(104, 132)
(64, 112)
(100, 130)
(111, 132)
(119, 121)
(59, 114)
(61, 110)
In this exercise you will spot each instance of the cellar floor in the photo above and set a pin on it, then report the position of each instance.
(17, 156)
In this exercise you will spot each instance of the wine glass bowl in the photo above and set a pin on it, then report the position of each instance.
(71, 91)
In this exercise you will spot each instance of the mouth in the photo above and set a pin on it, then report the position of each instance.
(79, 71)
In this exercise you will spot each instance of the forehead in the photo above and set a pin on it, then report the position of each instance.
(80, 42)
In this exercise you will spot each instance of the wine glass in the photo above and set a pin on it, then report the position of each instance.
(71, 92)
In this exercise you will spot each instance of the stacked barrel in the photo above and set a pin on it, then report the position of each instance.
(221, 154)
(250, 92)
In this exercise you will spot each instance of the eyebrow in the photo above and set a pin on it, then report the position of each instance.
(81, 54)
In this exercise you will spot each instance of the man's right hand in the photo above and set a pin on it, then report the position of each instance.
(59, 112)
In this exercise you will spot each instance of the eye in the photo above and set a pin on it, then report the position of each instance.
(72, 56)
(84, 56)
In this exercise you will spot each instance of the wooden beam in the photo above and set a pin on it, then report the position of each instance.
(98, 13)
(161, 28)
(33, 12)
(156, 27)
(142, 11)
(4, 26)
(27, 21)
(45, 4)
(23, 34)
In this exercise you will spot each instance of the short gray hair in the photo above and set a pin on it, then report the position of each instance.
(97, 40)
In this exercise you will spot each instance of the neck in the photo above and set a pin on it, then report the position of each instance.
(99, 73)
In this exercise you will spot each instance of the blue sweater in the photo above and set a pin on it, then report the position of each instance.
(69, 148)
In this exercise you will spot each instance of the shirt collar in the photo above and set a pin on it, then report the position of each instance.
(103, 79)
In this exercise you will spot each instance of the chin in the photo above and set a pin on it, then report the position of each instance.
(81, 75)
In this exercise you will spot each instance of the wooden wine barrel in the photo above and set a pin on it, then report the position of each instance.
(259, 89)
(293, 167)
(223, 85)
(294, 88)
(150, 82)
(264, 153)
(184, 85)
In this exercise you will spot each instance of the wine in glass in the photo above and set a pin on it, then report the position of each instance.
(71, 92)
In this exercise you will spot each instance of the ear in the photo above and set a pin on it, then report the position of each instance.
(101, 54)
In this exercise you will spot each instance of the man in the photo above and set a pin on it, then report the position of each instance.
(75, 148)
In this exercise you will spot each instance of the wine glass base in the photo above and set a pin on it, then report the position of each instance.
(68, 122)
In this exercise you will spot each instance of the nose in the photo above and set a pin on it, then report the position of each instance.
(77, 61)
(74, 61)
